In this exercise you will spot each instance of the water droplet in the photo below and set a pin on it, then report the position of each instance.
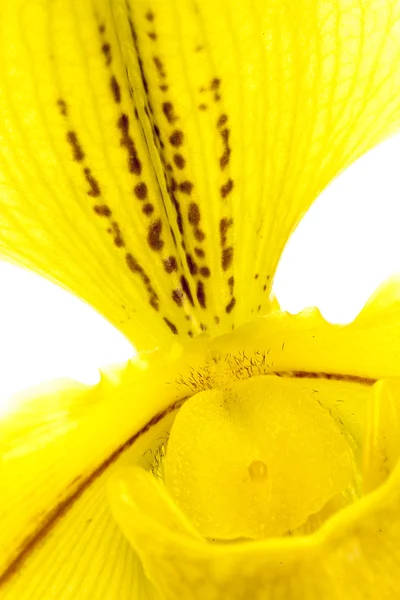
(258, 470)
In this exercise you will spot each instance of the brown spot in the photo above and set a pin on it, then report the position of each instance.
(216, 319)
(229, 307)
(256, 276)
(227, 256)
(123, 123)
(176, 138)
(199, 252)
(148, 209)
(150, 16)
(171, 326)
(177, 297)
(134, 164)
(77, 151)
(186, 187)
(224, 160)
(140, 190)
(191, 264)
(179, 161)
(201, 294)
(231, 284)
(154, 235)
(203, 327)
(115, 89)
(118, 240)
(199, 235)
(62, 105)
(222, 120)
(106, 50)
(226, 188)
(159, 66)
(152, 35)
(198, 48)
(174, 184)
(264, 287)
(103, 210)
(217, 97)
(190, 334)
(163, 87)
(136, 268)
(202, 106)
(136, 113)
(194, 214)
(225, 135)
(94, 191)
(170, 264)
(102, 28)
(224, 225)
(186, 289)
(205, 272)
(168, 110)
(215, 84)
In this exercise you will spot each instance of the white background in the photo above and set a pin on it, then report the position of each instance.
(348, 243)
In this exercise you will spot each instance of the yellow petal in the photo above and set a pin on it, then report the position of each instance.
(173, 222)
(57, 449)
(382, 443)
(82, 555)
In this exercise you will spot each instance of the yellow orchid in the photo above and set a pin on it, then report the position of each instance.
(155, 156)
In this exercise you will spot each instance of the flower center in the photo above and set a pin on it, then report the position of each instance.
(262, 459)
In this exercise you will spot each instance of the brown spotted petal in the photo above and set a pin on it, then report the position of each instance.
(155, 155)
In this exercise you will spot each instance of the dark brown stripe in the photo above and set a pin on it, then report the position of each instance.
(322, 375)
(171, 325)
(115, 89)
(230, 306)
(59, 511)
(77, 152)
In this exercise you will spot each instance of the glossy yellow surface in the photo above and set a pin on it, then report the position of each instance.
(257, 460)
(382, 443)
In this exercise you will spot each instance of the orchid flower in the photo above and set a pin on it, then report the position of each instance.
(155, 156)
